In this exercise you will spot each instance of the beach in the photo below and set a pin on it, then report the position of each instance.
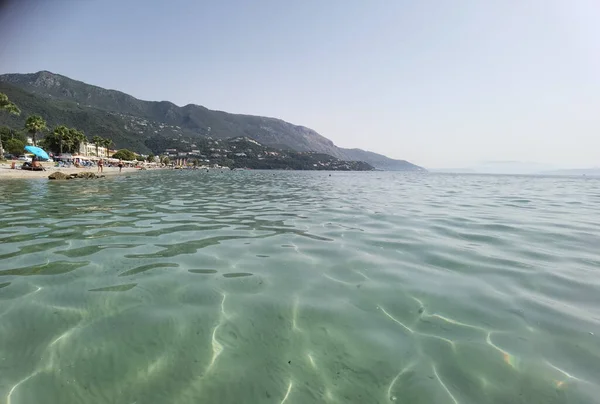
(8, 173)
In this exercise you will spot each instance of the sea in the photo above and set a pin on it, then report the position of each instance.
(183, 286)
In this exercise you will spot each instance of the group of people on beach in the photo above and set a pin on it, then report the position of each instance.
(35, 165)
(101, 166)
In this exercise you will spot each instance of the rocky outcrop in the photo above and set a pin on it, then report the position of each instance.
(87, 175)
(58, 176)
(62, 176)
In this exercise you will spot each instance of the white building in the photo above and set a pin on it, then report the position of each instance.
(89, 149)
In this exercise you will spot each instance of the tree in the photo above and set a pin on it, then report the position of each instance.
(57, 140)
(151, 158)
(124, 154)
(97, 141)
(62, 134)
(106, 143)
(8, 106)
(166, 161)
(77, 139)
(34, 125)
(15, 146)
(8, 133)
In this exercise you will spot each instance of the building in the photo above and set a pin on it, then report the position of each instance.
(89, 149)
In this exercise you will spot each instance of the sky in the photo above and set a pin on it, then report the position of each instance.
(438, 83)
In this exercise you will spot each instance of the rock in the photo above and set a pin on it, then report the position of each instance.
(58, 176)
(62, 176)
(87, 174)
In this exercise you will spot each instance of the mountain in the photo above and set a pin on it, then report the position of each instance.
(243, 152)
(149, 126)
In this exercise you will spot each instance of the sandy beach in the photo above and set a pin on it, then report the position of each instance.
(6, 173)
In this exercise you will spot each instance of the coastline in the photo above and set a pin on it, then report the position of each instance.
(6, 173)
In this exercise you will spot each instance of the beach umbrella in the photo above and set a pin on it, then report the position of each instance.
(36, 151)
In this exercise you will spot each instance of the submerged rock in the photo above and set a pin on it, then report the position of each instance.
(62, 176)
(58, 176)
(87, 174)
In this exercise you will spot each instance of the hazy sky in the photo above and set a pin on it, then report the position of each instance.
(439, 83)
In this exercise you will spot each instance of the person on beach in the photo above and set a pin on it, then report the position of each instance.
(120, 165)
(36, 165)
(100, 166)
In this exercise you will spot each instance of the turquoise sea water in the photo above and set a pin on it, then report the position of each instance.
(300, 287)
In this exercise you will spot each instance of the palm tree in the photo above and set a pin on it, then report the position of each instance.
(106, 143)
(35, 124)
(77, 137)
(97, 140)
(62, 133)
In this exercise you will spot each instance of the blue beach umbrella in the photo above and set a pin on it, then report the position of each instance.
(41, 153)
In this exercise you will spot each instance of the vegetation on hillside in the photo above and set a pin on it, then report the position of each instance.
(55, 112)
(240, 152)
(147, 126)
(243, 152)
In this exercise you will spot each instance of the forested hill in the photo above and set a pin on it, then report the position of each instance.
(148, 126)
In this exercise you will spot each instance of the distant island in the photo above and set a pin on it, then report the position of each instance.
(149, 127)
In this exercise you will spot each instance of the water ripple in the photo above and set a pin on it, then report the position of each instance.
(294, 287)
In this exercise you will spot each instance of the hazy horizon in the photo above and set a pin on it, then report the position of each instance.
(439, 85)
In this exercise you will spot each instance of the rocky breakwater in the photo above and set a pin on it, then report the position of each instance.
(57, 175)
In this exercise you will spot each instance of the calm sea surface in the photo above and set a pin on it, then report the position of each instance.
(300, 287)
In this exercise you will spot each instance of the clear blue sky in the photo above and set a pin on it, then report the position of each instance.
(439, 83)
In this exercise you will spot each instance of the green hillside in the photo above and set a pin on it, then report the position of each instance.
(149, 126)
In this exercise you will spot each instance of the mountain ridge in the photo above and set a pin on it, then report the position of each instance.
(141, 123)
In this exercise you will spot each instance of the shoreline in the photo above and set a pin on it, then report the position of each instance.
(7, 173)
